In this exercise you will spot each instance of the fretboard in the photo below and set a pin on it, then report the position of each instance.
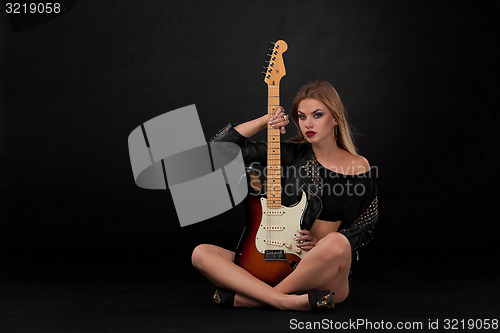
(273, 151)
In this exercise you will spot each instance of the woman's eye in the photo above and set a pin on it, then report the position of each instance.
(317, 115)
(302, 117)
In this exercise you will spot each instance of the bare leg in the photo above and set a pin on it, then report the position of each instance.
(326, 266)
(217, 265)
(328, 262)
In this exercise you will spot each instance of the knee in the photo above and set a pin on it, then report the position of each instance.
(199, 255)
(334, 246)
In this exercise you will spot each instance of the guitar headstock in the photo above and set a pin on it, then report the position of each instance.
(275, 69)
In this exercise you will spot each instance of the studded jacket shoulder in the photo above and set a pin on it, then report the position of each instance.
(301, 172)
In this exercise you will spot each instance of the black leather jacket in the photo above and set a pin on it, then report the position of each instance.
(301, 174)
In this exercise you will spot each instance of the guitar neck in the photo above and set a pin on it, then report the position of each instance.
(273, 151)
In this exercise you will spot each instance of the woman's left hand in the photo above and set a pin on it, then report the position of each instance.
(306, 241)
(280, 119)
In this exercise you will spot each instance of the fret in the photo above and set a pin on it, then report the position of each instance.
(274, 169)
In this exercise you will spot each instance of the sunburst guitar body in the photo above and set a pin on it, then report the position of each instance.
(267, 248)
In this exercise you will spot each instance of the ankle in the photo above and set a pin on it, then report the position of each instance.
(247, 302)
(224, 297)
(294, 302)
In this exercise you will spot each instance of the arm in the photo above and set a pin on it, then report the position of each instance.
(360, 232)
(239, 134)
(252, 127)
(362, 211)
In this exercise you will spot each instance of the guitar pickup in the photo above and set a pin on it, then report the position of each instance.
(273, 212)
(272, 242)
(273, 228)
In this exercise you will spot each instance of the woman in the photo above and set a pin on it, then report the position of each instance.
(341, 215)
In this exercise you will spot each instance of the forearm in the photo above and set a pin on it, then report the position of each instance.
(252, 127)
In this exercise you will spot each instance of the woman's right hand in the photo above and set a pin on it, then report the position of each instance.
(280, 119)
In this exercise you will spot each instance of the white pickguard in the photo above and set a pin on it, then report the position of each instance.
(279, 227)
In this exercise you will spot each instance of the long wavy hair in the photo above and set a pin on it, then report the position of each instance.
(324, 92)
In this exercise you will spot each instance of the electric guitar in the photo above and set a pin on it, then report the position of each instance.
(267, 248)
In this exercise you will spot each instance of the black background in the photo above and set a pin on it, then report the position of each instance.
(419, 80)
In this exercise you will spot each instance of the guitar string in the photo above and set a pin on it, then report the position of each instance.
(274, 101)
(270, 163)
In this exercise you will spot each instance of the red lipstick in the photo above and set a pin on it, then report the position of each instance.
(310, 133)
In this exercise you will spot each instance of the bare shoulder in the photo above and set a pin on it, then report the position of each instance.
(357, 164)
(362, 163)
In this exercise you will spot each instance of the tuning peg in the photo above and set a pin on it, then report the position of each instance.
(273, 43)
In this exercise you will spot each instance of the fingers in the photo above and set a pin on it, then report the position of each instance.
(280, 120)
(306, 236)
(304, 233)
(306, 241)
(280, 110)
(307, 245)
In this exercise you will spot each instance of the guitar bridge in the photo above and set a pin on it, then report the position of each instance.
(275, 255)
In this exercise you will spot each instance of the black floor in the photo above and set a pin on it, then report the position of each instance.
(160, 298)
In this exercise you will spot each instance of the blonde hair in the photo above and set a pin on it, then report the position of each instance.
(324, 92)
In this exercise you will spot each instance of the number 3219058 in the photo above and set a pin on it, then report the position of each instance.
(471, 324)
(33, 8)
